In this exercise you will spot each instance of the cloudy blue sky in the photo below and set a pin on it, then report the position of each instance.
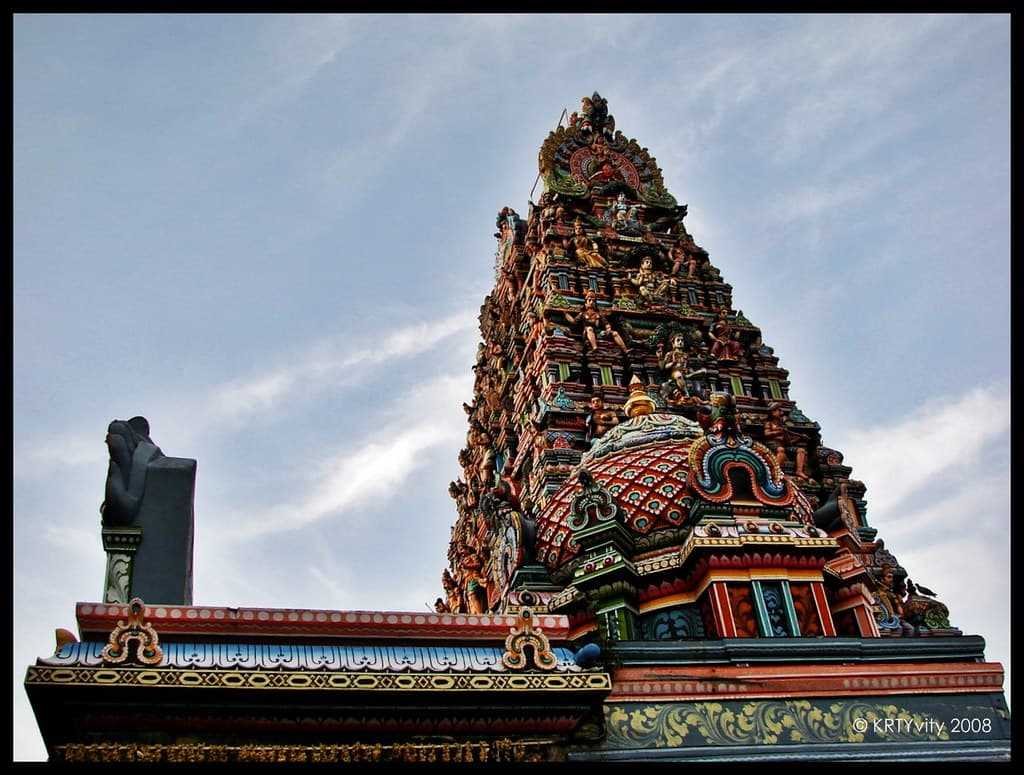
(271, 236)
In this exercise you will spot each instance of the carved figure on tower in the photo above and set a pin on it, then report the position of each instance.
(622, 216)
(784, 441)
(593, 116)
(889, 606)
(680, 363)
(585, 249)
(650, 284)
(600, 419)
(725, 344)
(595, 324)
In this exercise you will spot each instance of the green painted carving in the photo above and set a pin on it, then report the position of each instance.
(562, 183)
(119, 573)
(657, 196)
(558, 300)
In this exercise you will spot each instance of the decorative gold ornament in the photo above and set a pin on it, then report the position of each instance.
(527, 635)
(147, 648)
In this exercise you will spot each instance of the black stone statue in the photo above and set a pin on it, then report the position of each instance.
(148, 499)
(131, 451)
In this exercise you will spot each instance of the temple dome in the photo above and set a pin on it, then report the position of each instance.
(643, 464)
(648, 473)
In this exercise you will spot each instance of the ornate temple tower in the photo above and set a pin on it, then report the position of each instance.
(634, 459)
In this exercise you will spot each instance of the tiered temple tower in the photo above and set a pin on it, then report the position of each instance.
(634, 458)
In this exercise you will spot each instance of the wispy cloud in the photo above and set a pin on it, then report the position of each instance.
(321, 367)
(938, 440)
(958, 509)
(841, 67)
(59, 451)
(793, 86)
(811, 201)
(314, 42)
(326, 366)
(295, 49)
(373, 467)
(333, 584)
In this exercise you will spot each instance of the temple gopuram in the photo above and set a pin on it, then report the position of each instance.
(655, 557)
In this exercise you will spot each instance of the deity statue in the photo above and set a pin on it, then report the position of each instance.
(600, 419)
(680, 363)
(585, 248)
(783, 440)
(622, 216)
(595, 324)
(725, 345)
(889, 604)
(650, 284)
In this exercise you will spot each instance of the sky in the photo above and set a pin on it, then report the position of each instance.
(271, 235)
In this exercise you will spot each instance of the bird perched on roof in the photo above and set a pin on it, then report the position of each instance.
(914, 589)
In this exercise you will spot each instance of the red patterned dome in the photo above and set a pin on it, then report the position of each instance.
(642, 464)
(648, 473)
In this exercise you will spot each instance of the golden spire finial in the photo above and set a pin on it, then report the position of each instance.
(638, 403)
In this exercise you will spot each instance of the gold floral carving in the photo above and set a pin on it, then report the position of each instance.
(765, 723)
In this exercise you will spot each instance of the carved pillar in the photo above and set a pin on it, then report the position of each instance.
(120, 544)
(608, 579)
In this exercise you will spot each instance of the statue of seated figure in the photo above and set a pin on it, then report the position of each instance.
(131, 451)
